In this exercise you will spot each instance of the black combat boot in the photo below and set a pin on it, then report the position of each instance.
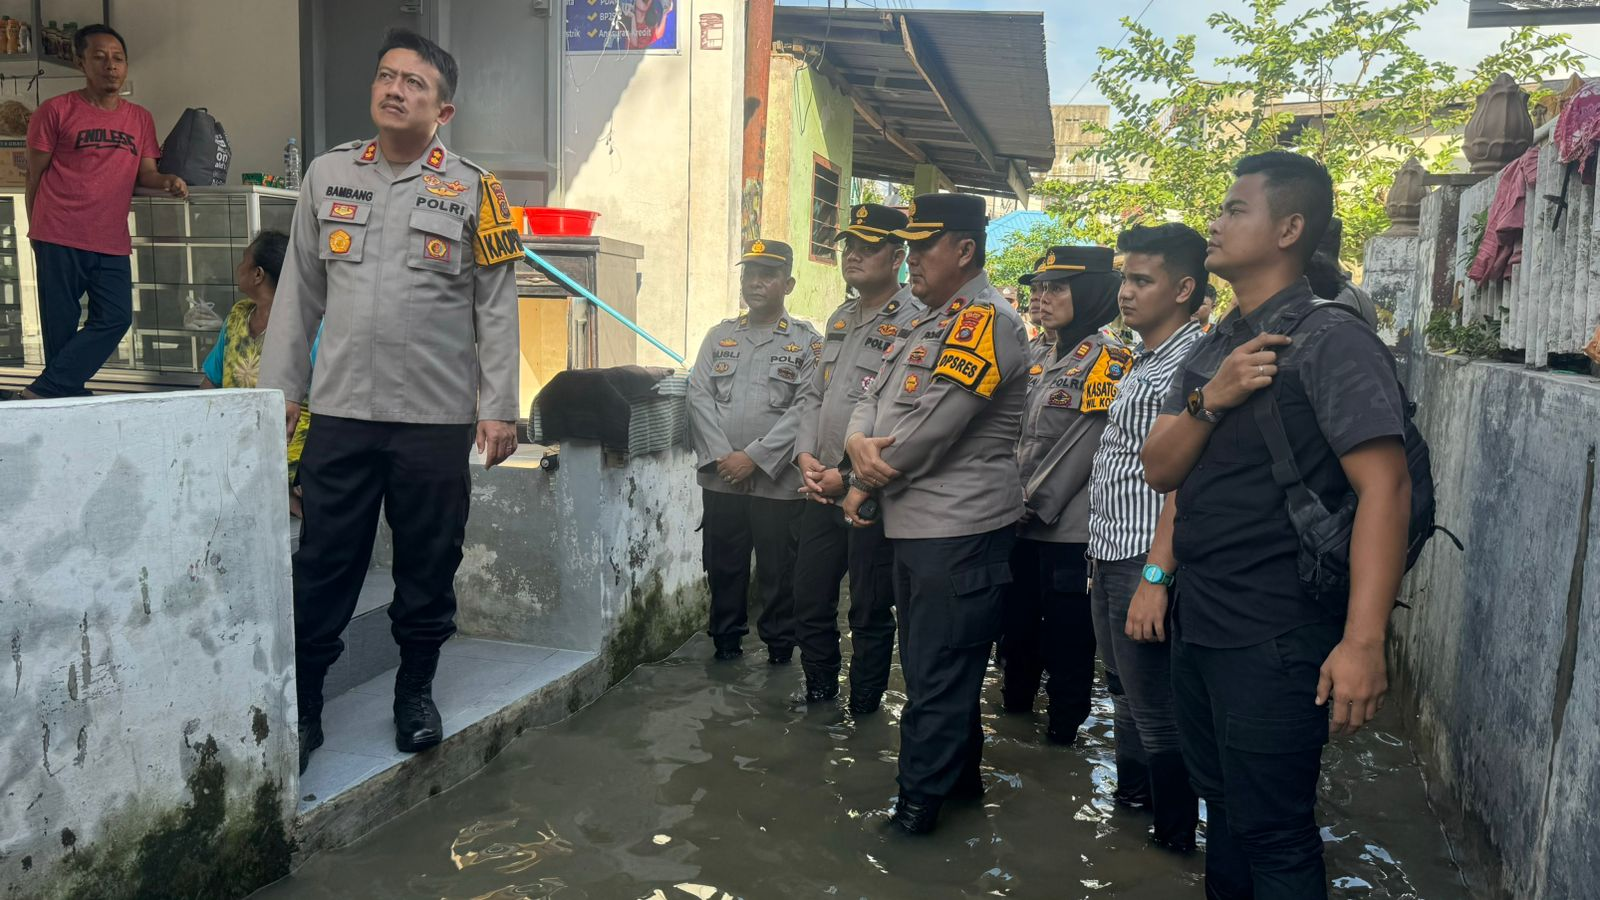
(969, 786)
(416, 719)
(865, 704)
(308, 697)
(1133, 783)
(821, 686)
(728, 648)
(1177, 809)
(913, 817)
(779, 656)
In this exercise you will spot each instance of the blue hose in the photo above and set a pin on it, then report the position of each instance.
(579, 289)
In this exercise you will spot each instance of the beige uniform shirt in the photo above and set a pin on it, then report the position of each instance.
(951, 394)
(742, 396)
(853, 344)
(413, 329)
(1069, 400)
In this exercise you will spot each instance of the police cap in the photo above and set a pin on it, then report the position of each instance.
(932, 214)
(1061, 263)
(775, 254)
(873, 223)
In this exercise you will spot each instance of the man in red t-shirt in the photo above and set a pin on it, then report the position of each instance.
(86, 152)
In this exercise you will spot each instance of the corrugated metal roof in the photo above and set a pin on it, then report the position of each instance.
(1511, 13)
(966, 91)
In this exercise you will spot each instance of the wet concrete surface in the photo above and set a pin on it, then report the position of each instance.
(697, 779)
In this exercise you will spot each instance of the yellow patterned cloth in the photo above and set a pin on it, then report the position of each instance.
(241, 367)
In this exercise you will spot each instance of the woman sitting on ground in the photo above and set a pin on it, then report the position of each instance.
(235, 362)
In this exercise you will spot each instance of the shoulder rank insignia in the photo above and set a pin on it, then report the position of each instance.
(727, 342)
(1037, 370)
(436, 159)
(370, 153)
(1083, 349)
(791, 348)
(839, 325)
(968, 357)
(956, 305)
(888, 330)
(893, 304)
(783, 324)
(497, 240)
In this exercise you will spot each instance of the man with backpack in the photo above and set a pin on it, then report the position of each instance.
(1266, 663)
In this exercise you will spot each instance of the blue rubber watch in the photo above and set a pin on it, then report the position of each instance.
(1157, 575)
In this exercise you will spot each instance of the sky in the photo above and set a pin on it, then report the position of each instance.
(1075, 28)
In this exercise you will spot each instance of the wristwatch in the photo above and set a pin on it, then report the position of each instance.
(1157, 575)
(1197, 407)
(852, 481)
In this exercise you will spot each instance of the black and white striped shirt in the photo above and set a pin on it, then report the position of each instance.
(1123, 509)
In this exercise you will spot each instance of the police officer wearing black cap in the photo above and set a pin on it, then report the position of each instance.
(934, 443)
(1049, 626)
(742, 408)
(855, 338)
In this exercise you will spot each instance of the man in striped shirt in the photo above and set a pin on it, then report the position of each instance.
(1163, 284)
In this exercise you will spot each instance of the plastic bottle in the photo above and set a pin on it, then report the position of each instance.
(291, 165)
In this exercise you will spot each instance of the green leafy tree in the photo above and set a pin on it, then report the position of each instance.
(1175, 135)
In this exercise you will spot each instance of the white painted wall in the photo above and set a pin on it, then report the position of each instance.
(145, 606)
(654, 143)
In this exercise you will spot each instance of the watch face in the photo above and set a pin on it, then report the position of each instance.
(1154, 574)
(1196, 402)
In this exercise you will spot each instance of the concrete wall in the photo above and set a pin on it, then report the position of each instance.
(145, 602)
(652, 142)
(600, 555)
(808, 117)
(1499, 658)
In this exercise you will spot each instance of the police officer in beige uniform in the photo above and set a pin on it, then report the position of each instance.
(855, 338)
(400, 250)
(744, 415)
(935, 440)
(1048, 622)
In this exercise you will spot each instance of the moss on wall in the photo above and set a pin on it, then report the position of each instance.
(655, 624)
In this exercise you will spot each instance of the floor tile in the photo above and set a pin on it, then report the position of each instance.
(502, 651)
(360, 723)
(331, 773)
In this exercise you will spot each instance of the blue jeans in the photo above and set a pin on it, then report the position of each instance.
(71, 356)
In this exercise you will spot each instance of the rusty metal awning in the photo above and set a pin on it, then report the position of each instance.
(1515, 13)
(964, 91)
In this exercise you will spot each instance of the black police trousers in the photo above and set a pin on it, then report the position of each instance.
(828, 550)
(734, 524)
(948, 593)
(1252, 737)
(1049, 627)
(418, 475)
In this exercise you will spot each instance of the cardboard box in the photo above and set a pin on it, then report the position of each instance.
(13, 163)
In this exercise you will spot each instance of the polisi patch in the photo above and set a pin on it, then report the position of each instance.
(787, 374)
(497, 240)
(918, 354)
(339, 242)
(435, 247)
(1060, 399)
(721, 368)
(345, 211)
(912, 383)
(969, 370)
(442, 188)
(888, 330)
(445, 206)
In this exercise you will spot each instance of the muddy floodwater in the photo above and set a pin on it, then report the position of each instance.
(696, 779)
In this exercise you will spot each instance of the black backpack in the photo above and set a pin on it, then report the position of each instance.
(1324, 560)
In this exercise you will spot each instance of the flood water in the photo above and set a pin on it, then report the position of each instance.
(697, 779)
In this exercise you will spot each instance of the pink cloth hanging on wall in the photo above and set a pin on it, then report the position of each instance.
(1502, 234)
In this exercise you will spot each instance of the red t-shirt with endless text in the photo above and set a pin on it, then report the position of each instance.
(85, 193)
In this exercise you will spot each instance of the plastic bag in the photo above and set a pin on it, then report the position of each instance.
(201, 315)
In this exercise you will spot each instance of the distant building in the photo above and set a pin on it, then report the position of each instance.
(1074, 136)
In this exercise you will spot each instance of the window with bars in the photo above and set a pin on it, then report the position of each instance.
(825, 199)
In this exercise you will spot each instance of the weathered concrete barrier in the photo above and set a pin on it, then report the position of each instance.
(144, 599)
(148, 747)
(1499, 659)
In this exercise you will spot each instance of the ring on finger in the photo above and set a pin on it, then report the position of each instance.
(1261, 370)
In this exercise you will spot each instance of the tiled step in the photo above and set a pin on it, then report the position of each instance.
(369, 648)
(476, 679)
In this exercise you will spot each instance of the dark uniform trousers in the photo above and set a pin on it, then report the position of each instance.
(829, 550)
(734, 524)
(1049, 627)
(949, 593)
(418, 475)
(1252, 738)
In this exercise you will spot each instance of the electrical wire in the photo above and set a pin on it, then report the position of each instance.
(1125, 32)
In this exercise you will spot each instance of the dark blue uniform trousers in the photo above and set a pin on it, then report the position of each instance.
(828, 550)
(1252, 736)
(949, 593)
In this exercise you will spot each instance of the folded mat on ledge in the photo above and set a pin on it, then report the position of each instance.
(628, 408)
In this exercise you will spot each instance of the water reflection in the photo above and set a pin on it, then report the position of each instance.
(700, 780)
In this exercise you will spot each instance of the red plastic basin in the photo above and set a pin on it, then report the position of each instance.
(554, 221)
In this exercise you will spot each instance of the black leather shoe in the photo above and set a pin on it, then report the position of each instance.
(779, 656)
(865, 705)
(913, 817)
(310, 739)
(416, 719)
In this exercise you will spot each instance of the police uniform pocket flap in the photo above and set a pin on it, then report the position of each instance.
(1291, 735)
(438, 223)
(351, 211)
(975, 613)
(980, 578)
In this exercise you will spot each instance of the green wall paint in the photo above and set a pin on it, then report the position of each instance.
(821, 123)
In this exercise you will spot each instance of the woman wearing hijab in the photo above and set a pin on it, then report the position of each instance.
(1048, 625)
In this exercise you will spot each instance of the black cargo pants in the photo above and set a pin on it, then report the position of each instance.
(734, 524)
(418, 475)
(829, 549)
(1049, 628)
(948, 593)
